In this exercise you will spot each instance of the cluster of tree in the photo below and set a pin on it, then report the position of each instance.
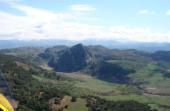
(110, 72)
(161, 56)
(98, 104)
(31, 94)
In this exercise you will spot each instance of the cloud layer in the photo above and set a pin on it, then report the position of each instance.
(82, 8)
(168, 12)
(10, 1)
(43, 24)
(145, 11)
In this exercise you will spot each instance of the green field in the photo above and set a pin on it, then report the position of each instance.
(79, 105)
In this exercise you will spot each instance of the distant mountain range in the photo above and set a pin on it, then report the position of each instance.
(113, 44)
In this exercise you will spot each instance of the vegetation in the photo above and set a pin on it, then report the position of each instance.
(90, 78)
(97, 104)
(31, 94)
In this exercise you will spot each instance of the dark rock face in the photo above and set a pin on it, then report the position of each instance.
(73, 59)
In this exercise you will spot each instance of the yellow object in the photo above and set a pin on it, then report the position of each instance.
(3, 108)
(5, 104)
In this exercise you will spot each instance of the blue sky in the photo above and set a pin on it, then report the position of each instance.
(125, 20)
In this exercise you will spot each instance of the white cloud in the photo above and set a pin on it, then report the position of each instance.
(42, 15)
(168, 12)
(10, 1)
(44, 24)
(82, 8)
(143, 11)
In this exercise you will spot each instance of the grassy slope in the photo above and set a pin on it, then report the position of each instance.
(79, 105)
(29, 54)
(152, 81)
(148, 74)
(121, 92)
(111, 91)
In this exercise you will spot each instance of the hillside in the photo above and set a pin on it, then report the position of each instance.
(85, 73)
(33, 94)
(103, 63)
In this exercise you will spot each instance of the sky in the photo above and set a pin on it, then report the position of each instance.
(122, 20)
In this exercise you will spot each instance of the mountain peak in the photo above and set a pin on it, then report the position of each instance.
(78, 45)
(73, 59)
